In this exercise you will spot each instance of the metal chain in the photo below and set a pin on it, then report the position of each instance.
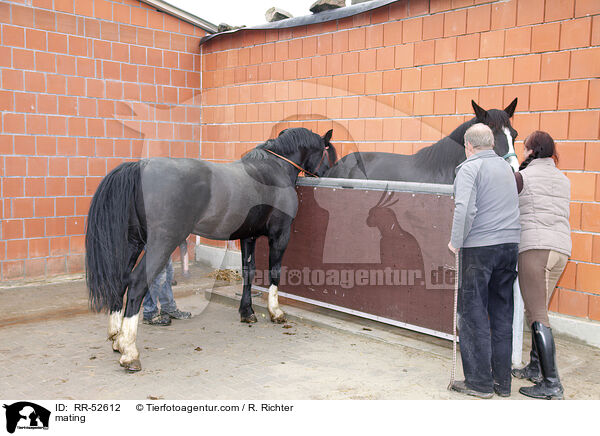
(454, 320)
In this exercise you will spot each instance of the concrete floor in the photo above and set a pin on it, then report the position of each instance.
(53, 347)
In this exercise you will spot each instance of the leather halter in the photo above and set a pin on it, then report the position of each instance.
(298, 167)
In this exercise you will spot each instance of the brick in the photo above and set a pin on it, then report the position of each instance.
(36, 39)
(555, 66)
(391, 35)
(25, 102)
(385, 58)
(412, 30)
(500, 71)
(13, 36)
(455, 23)
(594, 307)
(572, 155)
(586, 7)
(16, 249)
(545, 37)
(12, 79)
(492, 44)
(588, 278)
(431, 77)
(596, 249)
(452, 75)
(584, 63)
(411, 79)
(543, 96)
(13, 270)
(527, 68)
(12, 186)
(433, 26)
(13, 123)
(479, 19)
(22, 16)
(517, 41)
(582, 186)
(22, 208)
(467, 47)
(504, 15)
(590, 217)
(356, 40)
(444, 103)
(404, 56)
(556, 124)
(45, 62)
(573, 94)
(367, 62)
(37, 166)
(445, 50)
(592, 157)
(424, 53)
(12, 229)
(476, 73)
(530, 12)
(572, 303)
(582, 246)
(23, 145)
(45, 20)
(558, 10)
(584, 125)
(575, 33)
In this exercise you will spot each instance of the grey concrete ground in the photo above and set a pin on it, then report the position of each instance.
(52, 347)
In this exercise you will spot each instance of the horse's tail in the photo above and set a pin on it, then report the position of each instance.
(107, 237)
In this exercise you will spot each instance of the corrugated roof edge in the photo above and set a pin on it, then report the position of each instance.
(182, 15)
(321, 17)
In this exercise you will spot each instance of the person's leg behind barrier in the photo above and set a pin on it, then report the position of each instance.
(500, 310)
(473, 322)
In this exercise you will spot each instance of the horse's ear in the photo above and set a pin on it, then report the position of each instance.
(327, 136)
(480, 112)
(510, 109)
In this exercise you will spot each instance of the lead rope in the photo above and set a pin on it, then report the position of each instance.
(454, 320)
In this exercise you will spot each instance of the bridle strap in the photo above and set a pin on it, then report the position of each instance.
(294, 164)
(325, 152)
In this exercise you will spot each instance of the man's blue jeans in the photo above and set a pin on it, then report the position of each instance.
(485, 310)
(160, 291)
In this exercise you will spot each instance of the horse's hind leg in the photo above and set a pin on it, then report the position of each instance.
(277, 245)
(248, 265)
(115, 319)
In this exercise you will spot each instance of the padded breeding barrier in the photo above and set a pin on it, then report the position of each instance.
(372, 248)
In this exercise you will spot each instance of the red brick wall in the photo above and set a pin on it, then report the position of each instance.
(401, 77)
(85, 85)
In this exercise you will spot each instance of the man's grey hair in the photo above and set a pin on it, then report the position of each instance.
(480, 136)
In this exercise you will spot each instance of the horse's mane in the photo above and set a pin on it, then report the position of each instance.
(288, 141)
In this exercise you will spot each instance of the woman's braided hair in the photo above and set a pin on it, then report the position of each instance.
(541, 145)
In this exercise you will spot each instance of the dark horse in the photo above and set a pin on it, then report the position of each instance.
(436, 163)
(152, 205)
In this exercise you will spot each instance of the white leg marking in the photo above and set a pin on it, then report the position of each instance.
(511, 149)
(126, 340)
(115, 319)
(273, 305)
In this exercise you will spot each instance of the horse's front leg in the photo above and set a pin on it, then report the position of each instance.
(277, 245)
(248, 266)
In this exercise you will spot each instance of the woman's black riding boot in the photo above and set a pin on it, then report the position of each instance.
(532, 370)
(549, 388)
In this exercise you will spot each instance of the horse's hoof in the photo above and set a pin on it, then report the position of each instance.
(249, 319)
(133, 366)
(278, 319)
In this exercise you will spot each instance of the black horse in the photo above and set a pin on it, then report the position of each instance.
(152, 205)
(436, 163)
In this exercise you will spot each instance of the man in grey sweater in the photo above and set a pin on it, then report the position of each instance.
(486, 229)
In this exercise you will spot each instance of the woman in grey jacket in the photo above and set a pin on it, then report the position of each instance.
(544, 197)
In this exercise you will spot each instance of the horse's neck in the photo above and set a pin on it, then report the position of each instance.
(447, 152)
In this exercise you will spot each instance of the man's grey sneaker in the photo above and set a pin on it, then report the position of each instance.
(177, 314)
(460, 386)
(501, 392)
(158, 319)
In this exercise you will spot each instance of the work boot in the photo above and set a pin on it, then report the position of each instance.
(158, 319)
(532, 370)
(460, 386)
(177, 314)
(550, 387)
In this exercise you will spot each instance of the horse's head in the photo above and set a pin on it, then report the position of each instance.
(504, 134)
(316, 154)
